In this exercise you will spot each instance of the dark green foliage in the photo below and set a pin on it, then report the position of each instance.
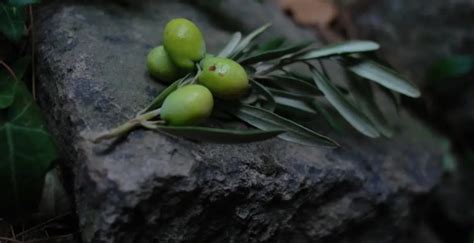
(26, 148)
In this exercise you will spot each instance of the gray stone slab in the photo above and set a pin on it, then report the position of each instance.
(151, 186)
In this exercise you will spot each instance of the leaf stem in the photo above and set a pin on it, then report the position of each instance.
(8, 68)
(127, 126)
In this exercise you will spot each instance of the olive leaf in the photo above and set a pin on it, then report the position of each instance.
(27, 152)
(347, 47)
(231, 45)
(356, 118)
(8, 83)
(309, 79)
(218, 135)
(270, 101)
(292, 84)
(291, 95)
(384, 76)
(275, 53)
(244, 43)
(12, 21)
(271, 44)
(364, 96)
(335, 124)
(269, 121)
(294, 104)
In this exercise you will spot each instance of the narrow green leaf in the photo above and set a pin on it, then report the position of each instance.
(12, 22)
(291, 84)
(158, 101)
(309, 79)
(270, 101)
(335, 124)
(291, 95)
(218, 135)
(357, 119)
(272, 44)
(27, 152)
(273, 54)
(363, 94)
(8, 83)
(347, 47)
(294, 104)
(385, 77)
(250, 99)
(248, 39)
(269, 121)
(231, 45)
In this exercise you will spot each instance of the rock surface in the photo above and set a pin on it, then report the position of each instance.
(156, 187)
(416, 34)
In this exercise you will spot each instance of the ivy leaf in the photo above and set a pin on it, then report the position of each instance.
(8, 83)
(19, 3)
(217, 135)
(27, 152)
(356, 118)
(384, 76)
(354, 46)
(275, 53)
(12, 22)
(269, 121)
(231, 45)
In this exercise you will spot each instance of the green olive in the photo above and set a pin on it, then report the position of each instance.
(224, 77)
(187, 105)
(160, 65)
(184, 43)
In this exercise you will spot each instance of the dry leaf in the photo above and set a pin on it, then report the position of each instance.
(311, 12)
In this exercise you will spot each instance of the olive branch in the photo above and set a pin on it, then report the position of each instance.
(277, 93)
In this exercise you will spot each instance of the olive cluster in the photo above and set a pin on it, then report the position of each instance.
(183, 51)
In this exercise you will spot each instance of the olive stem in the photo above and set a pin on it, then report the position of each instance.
(197, 74)
(192, 81)
(127, 127)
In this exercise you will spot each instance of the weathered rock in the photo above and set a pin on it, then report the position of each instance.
(92, 76)
(415, 35)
